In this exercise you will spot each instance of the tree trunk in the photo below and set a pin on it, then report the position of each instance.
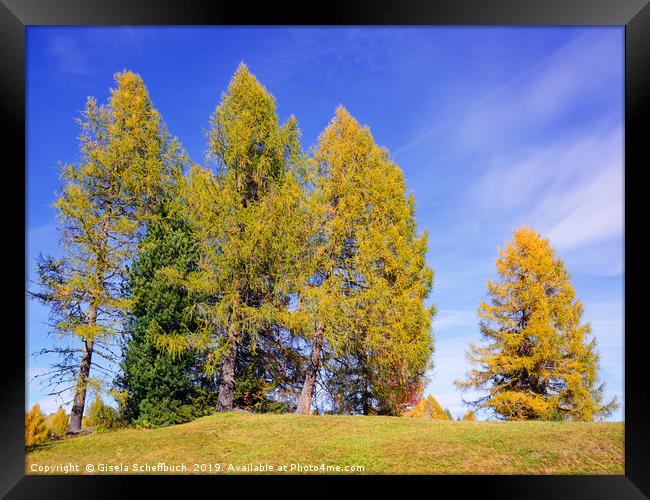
(365, 400)
(304, 402)
(365, 397)
(227, 384)
(82, 382)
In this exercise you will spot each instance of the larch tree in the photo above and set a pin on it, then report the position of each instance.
(367, 276)
(245, 217)
(428, 408)
(36, 431)
(59, 423)
(127, 159)
(538, 361)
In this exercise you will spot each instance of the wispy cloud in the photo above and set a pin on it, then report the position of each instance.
(348, 51)
(591, 212)
(540, 92)
(70, 56)
(448, 319)
(570, 191)
(563, 85)
(78, 51)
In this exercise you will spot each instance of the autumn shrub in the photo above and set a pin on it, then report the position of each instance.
(427, 408)
(58, 424)
(470, 416)
(36, 432)
(102, 417)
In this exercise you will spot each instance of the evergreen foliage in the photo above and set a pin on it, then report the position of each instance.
(161, 389)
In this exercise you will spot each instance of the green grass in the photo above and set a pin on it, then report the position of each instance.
(382, 445)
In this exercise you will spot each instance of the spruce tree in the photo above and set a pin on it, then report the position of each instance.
(162, 389)
(538, 361)
(106, 201)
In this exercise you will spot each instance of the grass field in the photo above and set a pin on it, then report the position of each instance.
(238, 442)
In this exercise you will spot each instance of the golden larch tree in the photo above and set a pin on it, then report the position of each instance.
(245, 216)
(538, 360)
(368, 280)
(127, 161)
(59, 423)
(427, 408)
(36, 431)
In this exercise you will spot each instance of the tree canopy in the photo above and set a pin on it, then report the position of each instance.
(538, 360)
(272, 279)
(127, 161)
(369, 277)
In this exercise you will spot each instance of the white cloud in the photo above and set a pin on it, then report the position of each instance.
(70, 56)
(571, 192)
(450, 319)
(591, 212)
(539, 95)
(548, 93)
(542, 178)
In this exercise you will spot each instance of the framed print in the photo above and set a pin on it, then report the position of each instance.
(384, 244)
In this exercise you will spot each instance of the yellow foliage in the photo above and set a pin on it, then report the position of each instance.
(538, 362)
(370, 263)
(469, 416)
(100, 416)
(58, 424)
(427, 408)
(127, 165)
(36, 431)
(247, 221)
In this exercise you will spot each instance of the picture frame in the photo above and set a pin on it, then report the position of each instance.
(634, 15)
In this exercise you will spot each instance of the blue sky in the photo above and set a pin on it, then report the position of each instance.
(493, 127)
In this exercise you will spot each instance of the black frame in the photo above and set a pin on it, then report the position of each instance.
(633, 14)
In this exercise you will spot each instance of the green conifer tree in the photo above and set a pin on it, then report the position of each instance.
(162, 389)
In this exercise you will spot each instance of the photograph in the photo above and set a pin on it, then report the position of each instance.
(325, 250)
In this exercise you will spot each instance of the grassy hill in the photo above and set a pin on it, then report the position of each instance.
(382, 445)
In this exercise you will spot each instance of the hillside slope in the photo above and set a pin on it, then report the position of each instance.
(237, 442)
